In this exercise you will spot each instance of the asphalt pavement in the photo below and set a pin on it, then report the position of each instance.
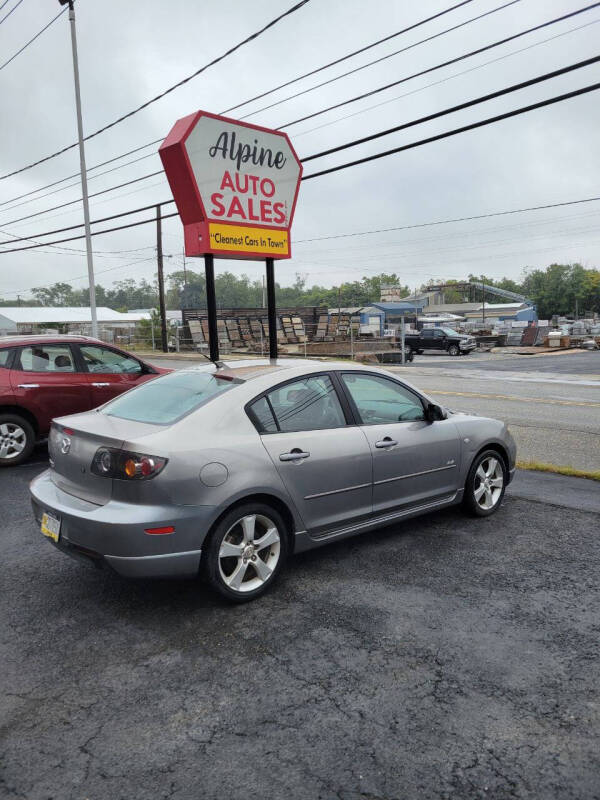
(447, 657)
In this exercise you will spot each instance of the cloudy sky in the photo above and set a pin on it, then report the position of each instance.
(131, 51)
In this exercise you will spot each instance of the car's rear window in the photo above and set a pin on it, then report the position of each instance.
(167, 399)
(4, 356)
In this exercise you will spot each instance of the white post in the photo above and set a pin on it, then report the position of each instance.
(402, 339)
(84, 189)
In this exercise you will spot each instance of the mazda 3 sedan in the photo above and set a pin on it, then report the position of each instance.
(225, 470)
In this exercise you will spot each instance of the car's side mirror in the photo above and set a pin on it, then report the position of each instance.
(434, 413)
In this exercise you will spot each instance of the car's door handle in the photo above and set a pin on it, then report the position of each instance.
(29, 386)
(386, 442)
(294, 455)
(101, 384)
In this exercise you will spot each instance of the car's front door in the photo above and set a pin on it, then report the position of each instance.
(414, 461)
(46, 381)
(324, 462)
(110, 372)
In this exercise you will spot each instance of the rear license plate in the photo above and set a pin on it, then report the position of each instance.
(50, 527)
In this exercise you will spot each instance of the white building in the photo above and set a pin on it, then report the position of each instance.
(35, 319)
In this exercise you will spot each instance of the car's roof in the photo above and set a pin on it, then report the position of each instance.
(44, 338)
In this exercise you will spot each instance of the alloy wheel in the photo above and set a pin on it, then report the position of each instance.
(249, 553)
(13, 440)
(488, 484)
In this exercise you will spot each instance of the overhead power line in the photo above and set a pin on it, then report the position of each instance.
(13, 9)
(78, 200)
(473, 217)
(382, 58)
(348, 55)
(443, 64)
(157, 97)
(31, 41)
(489, 121)
(411, 145)
(460, 107)
(448, 78)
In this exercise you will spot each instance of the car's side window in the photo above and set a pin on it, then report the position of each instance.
(382, 401)
(5, 354)
(102, 359)
(308, 404)
(46, 358)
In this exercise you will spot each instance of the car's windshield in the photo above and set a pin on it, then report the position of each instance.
(167, 399)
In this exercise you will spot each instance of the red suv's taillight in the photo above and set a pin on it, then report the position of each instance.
(109, 462)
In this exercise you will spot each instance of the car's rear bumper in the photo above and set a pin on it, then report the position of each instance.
(114, 534)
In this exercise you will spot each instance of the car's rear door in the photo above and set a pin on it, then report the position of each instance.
(45, 380)
(110, 371)
(323, 459)
(415, 462)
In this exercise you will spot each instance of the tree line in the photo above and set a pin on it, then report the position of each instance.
(557, 289)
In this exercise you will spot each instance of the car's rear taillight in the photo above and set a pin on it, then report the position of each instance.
(109, 462)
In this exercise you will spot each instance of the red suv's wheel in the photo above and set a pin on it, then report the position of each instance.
(17, 440)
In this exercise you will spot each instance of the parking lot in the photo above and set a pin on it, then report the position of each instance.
(446, 657)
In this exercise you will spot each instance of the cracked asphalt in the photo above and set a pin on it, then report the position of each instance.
(446, 657)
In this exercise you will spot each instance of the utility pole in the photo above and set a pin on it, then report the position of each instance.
(161, 282)
(82, 167)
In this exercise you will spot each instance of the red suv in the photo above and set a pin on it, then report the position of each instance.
(42, 377)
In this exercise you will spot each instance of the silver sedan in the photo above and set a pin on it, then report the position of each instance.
(225, 470)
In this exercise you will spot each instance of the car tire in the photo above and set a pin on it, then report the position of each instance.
(419, 352)
(232, 554)
(17, 440)
(454, 350)
(486, 484)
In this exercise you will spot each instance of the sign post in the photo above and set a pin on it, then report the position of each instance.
(235, 186)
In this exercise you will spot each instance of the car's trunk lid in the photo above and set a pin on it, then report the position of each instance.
(72, 444)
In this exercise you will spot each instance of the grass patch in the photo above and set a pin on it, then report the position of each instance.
(540, 466)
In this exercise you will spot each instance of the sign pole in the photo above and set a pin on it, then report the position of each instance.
(211, 306)
(271, 308)
(161, 282)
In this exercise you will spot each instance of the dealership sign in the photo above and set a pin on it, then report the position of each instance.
(235, 186)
